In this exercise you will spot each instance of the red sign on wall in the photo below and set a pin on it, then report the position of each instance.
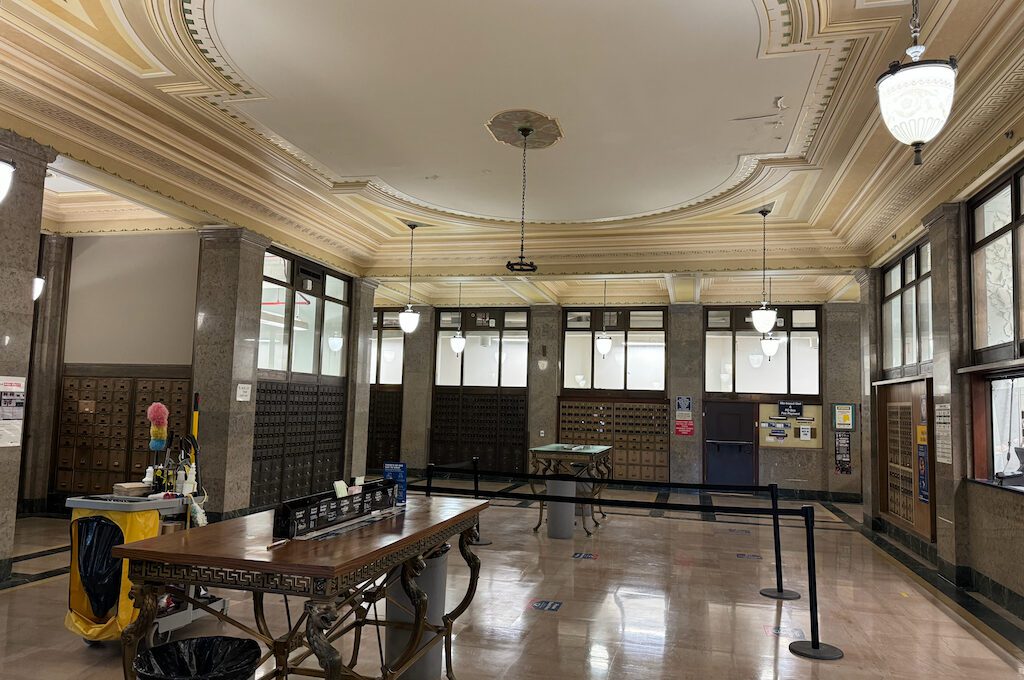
(684, 428)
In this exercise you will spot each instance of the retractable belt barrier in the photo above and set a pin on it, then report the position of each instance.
(812, 649)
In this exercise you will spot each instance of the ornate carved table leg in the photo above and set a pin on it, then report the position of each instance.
(465, 542)
(144, 598)
(320, 616)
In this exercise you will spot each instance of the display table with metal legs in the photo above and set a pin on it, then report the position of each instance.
(584, 462)
(343, 581)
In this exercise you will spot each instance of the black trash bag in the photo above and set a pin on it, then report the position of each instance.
(203, 658)
(99, 571)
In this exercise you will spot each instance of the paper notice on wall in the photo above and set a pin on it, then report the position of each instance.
(943, 434)
(12, 410)
(805, 433)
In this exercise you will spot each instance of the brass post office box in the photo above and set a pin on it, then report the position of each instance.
(100, 460)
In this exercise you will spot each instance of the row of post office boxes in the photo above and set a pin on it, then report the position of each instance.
(88, 482)
(630, 457)
(641, 473)
(74, 429)
(87, 407)
(93, 443)
(89, 383)
(99, 396)
(161, 385)
(80, 459)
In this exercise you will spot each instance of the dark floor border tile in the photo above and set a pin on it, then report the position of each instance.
(930, 575)
(17, 579)
(41, 553)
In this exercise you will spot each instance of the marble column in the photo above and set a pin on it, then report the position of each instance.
(841, 384)
(418, 390)
(543, 374)
(225, 353)
(685, 369)
(44, 375)
(358, 415)
(21, 215)
(870, 281)
(951, 332)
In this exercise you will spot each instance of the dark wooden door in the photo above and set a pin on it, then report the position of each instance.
(730, 442)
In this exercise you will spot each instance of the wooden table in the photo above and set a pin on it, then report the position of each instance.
(577, 460)
(341, 579)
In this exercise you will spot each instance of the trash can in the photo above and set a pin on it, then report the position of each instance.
(433, 581)
(202, 658)
(561, 515)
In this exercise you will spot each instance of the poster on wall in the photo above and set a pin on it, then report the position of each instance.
(842, 417)
(943, 434)
(922, 473)
(684, 428)
(12, 410)
(843, 462)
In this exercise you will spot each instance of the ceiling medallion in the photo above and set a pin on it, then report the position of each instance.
(505, 127)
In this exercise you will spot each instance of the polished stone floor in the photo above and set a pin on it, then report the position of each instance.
(666, 597)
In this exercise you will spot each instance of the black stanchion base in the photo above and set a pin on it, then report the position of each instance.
(481, 541)
(780, 594)
(823, 652)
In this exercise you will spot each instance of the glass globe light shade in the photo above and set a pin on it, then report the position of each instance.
(756, 360)
(6, 177)
(408, 319)
(916, 99)
(37, 287)
(764, 318)
(770, 346)
(457, 342)
(335, 343)
(603, 343)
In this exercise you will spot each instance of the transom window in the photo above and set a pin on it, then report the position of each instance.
(636, 359)
(387, 348)
(907, 312)
(496, 350)
(735, 363)
(995, 220)
(304, 312)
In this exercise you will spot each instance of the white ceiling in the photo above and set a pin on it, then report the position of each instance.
(401, 91)
(62, 184)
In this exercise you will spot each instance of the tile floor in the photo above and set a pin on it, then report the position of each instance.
(665, 598)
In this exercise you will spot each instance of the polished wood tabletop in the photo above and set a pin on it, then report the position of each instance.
(241, 543)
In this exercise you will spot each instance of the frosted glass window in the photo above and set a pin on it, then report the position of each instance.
(892, 334)
(576, 373)
(992, 215)
(373, 357)
(515, 347)
(577, 320)
(925, 255)
(719, 318)
(647, 318)
(273, 352)
(804, 347)
(718, 361)
(610, 370)
(646, 361)
(480, 359)
(304, 334)
(993, 293)
(924, 319)
(1007, 397)
(805, 318)
(450, 319)
(333, 351)
(893, 279)
(276, 267)
(515, 319)
(909, 268)
(910, 326)
(755, 373)
(392, 356)
(449, 364)
(336, 288)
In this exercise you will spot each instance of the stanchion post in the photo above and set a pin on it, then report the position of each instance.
(480, 540)
(778, 592)
(430, 478)
(813, 648)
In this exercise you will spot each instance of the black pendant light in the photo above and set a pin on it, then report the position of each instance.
(522, 266)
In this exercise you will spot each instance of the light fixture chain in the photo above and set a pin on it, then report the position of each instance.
(412, 237)
(915, 21)
(522, 208)
(764, 252)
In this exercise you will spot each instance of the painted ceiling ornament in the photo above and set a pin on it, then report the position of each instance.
(916, 98)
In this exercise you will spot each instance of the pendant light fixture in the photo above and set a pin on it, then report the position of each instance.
(916, 98)
(764, 317)
(522, 266)
(770, 346)
(408, 318)
(6, 177)
(603, 341)
(457, 341)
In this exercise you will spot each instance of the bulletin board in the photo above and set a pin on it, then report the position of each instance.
(771, 427)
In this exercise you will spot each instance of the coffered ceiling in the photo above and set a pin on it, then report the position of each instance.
(328, 125)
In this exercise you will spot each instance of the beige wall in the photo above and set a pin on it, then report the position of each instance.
(132, 299)
(994, 521)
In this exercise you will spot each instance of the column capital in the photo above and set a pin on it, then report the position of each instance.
(943, 211)
(24, 149)
(372, 284)
(223, 232)
(862, 276)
